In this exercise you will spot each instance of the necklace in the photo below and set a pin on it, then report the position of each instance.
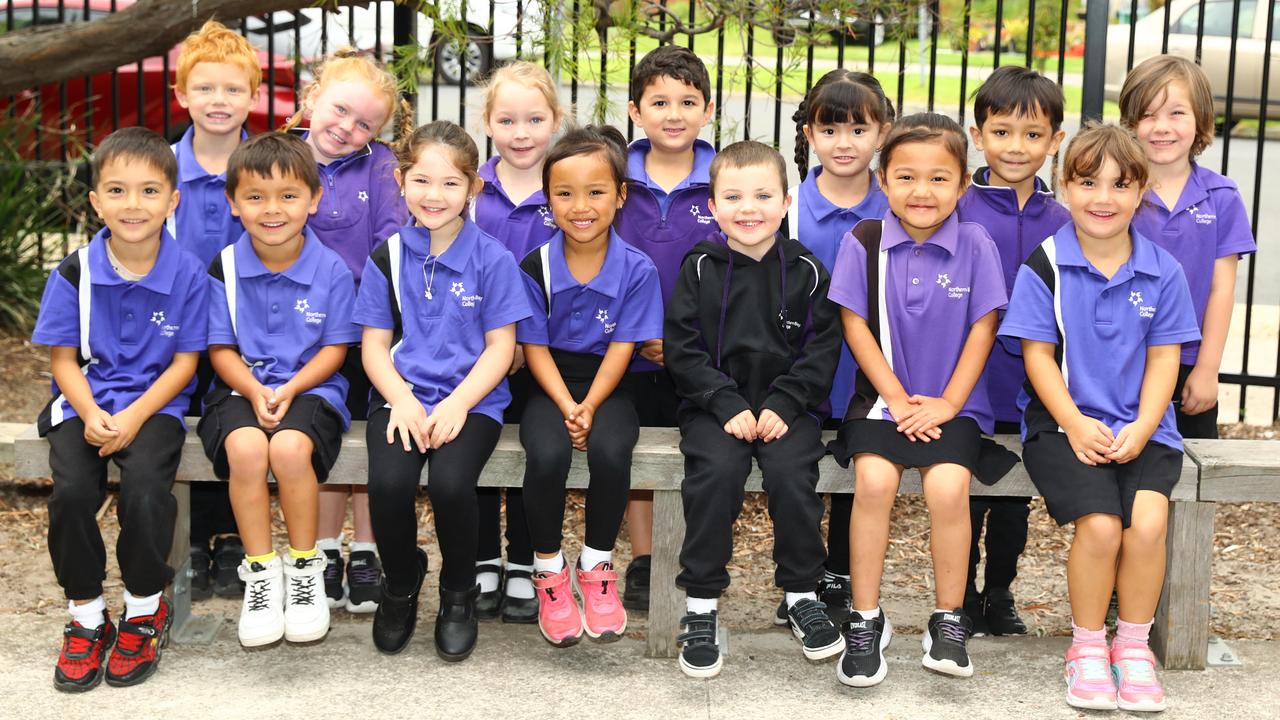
(428, 281)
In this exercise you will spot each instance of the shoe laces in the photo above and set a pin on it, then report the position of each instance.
(259, 595)
(860, 639)
(134, 633)
(1139, 672)
(953, 632)
(700, 629)
(809, 613)
(1093, 669)
(364, 574)
(77, 640)
(304, 590)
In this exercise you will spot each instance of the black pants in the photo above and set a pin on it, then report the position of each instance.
(716, 466)
(210, 501)
(548, 455)
(451, 485)
(519, 549)
(146, 507)
(838, 533)
(1204, 425)
(1006, 520)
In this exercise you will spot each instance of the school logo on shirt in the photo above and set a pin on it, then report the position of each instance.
(166, 329)
(944, 279)
(603, 316)
(157, 317)
(697, 214)
(464, 300)
(1201, 218)
(457, 289)
(548, 220)
(785, 323)
(1144, 311)
(955, 292)
(303, 306)
(362, 196)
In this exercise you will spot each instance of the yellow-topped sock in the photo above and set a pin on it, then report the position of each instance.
(295, 553)
(261, 559)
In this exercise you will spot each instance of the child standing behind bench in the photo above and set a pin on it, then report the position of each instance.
(752, 343)
(125, 320)
(279, 324)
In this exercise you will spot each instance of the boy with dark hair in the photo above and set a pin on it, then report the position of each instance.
(217, 80)
(279, 325)
(752, 343)
(1018, 116)
(665, 214)
(124, 317)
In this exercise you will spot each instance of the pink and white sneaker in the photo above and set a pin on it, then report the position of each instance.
(559, 618)
(1134, 669)
(1088, 675)
(602, 612)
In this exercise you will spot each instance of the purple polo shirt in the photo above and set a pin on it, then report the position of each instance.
(1207, 222)
(620, 304)
(819, 226)
(1016, 232)
(203, 223)
(521, 228)
(475, 287)
(936, 290)
(284, 318)
(361, 205)
(134, 327)
(1108, 324)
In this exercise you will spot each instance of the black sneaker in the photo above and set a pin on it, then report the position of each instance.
(201, 582)
(335, 580)
(364, 578)
(635, 596)
(865, 641)
(812, 627)
(975, 610)
(780, 617)
(1002, 613)
(489, 603)
(837, 594)
(699, 645)
(228, 553)
(944, 649)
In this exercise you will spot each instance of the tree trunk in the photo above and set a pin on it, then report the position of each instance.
(50, 53)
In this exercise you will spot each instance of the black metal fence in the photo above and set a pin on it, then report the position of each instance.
(763, 55)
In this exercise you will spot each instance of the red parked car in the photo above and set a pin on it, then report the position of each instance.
(88, 108)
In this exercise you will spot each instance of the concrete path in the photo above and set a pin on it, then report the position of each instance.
(514, 673)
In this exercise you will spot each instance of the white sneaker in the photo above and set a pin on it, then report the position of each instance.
(262, 612)
(306, 613)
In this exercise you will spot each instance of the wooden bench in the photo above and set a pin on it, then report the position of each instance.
(1180, 635)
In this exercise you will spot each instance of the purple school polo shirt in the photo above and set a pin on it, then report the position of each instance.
(1207, 222)
(134, 327)
(361, 205)
(284, 318)
(203, 223)
(1016, 232)
(475, 286)
(935, 291)
(1107, 324)
(622, 303)
(819, 226)
(520, 228)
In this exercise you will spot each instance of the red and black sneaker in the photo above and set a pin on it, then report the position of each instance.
(138, 646)
(80, 662)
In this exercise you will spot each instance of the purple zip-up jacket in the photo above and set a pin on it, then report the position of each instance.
(520, 228)
(361, 205)
(1016, 234)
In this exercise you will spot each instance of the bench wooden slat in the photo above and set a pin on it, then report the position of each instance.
(1238, 470)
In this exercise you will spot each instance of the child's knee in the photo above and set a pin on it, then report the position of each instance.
(1099, 535)
(290, 453)
(246, 450)
(1146, 533)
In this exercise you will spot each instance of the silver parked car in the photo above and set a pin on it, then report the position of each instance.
(1184, 19)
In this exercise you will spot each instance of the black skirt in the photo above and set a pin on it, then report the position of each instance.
(961, 444)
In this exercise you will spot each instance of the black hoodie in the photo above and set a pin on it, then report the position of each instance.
(770, 356)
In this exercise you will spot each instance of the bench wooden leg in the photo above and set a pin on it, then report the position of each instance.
(1180, 636)
(187, 628)
(666, 601)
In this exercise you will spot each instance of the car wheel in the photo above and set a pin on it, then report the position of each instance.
(450, 55)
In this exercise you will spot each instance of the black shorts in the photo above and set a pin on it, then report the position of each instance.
(654, 393)
(310, 415)
(1072, 489)
(961, 444)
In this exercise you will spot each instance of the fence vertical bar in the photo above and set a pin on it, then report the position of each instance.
(1031, 32)
(1199, 31)
(271, 71)
(1095, 59)
(902, 69)
(1133, 35)
(999, 42)
(573, 59)
(719, 83)
(964, 58)
(404, 34)
(749, 61)
(1062, 41)
(934, 9)
(1257, 202)
(462, 63)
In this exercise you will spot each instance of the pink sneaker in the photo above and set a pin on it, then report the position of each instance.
(1134, 669)
(602, 612)
(559, 618)
(1088, 675)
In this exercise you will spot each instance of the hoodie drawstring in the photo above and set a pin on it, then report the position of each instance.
(728, 282)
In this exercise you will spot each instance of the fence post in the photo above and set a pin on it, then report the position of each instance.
(404, 32)
(1095, 58)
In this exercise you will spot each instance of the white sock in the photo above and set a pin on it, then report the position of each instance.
(488, 579)
(701, 606)
(869, 614)
(940, 610)
(333, 543)
(518, 587)
(135, 606)
(591, 557)
(793, 598)
(362, 547)
(90, 615)
(552, 564)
